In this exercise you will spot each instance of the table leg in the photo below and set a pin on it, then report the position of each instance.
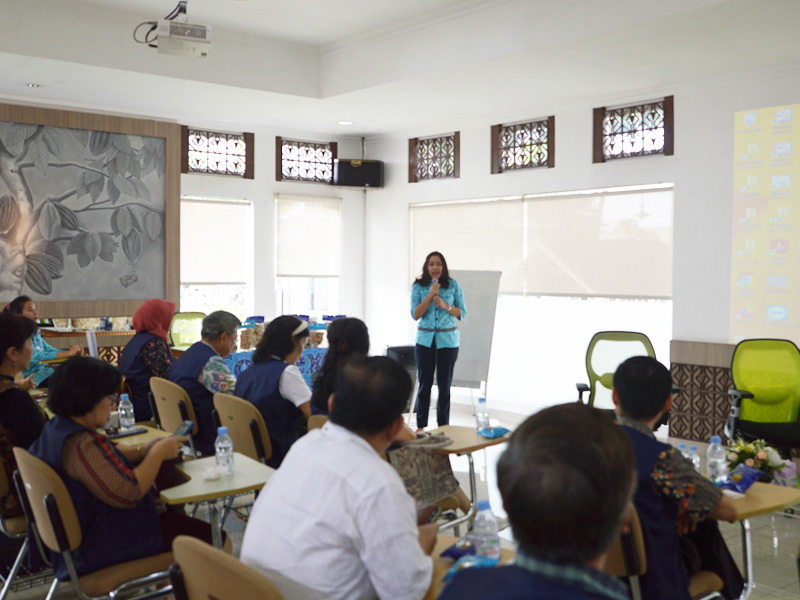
(473, 504)
(747, 559)
(216, 526)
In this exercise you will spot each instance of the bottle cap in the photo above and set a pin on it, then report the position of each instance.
(123, 397)
(483, 505)
(715, 439)
(682, 446)
(222, 431)
(693, 448)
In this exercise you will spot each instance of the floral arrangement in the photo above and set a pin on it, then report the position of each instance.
(755, 454)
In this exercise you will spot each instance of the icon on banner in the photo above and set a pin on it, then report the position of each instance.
(777, 312)
(779, 246)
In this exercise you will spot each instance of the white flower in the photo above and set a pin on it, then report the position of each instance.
(774, 459)
(732, 456)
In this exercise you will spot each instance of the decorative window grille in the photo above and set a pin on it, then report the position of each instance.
(637, 130)
(524, 145)
(434, 158)
(304, 161)
(217, 152)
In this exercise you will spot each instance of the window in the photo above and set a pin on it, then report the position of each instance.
(216, 152)
(304, 161)
(638, 130)
(217, 256)
(572, 263)
(524, 145)
(434, 157)
(307, 255)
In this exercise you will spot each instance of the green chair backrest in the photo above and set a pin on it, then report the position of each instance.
(185, 329)
(606, 351)
(770, 370)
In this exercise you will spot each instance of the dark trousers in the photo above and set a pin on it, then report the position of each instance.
(704, 549)
(440, 360)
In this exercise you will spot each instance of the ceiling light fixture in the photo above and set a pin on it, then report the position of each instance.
(345, 122)
(34, 85)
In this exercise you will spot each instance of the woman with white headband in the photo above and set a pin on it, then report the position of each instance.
(274, 384)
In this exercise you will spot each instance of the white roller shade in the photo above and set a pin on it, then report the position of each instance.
(601, 245)
(308, 237)
(473, 236)
(214, 238)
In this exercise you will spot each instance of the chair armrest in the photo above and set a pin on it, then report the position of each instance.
(582, 388)
(732, 423)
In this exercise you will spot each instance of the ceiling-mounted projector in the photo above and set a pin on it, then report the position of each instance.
(175, 35)
(183, 39)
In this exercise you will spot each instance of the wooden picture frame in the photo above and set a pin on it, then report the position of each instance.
(94, 125)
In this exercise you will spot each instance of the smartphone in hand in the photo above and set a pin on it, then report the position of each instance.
(184, 429)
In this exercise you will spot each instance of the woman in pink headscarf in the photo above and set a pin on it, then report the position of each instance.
(147, 354)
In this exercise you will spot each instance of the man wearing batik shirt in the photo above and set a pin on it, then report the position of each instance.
(202, 373)
(677, 506)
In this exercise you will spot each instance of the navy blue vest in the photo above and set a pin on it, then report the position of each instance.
(185, 373)
(110, 535)
(666, 577)
(137, 374)
(260, 385)
(511, 583)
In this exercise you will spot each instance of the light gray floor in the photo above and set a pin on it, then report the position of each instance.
(776, 538)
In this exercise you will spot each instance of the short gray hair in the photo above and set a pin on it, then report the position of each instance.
(217, 323)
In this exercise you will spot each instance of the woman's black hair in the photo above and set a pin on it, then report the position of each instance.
(17, 304)
(278, 339)
(425, 279)
(80, 384)
(345, 337)
(14, 332)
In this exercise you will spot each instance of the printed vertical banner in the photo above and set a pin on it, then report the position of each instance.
(765, 252)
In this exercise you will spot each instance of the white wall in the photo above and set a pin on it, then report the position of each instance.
(261, 192)
(701, 170)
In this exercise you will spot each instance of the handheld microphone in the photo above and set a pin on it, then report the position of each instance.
(434, 281)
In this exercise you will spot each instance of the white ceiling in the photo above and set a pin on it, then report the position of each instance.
(386, 65)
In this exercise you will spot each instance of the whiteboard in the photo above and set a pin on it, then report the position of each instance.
(480, 295)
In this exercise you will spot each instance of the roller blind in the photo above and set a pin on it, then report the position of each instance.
(601, 245)
(479, 236)
(308, 237)
(214, 238)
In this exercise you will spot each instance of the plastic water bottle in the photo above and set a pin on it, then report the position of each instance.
(683, 451)
(223, 449)
(127, 419)
(694, 456)
(484, 532)
(482, 414)
(716, 460)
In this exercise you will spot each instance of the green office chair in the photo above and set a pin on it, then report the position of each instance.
(606, 351)
(766, 398)
(185, 329)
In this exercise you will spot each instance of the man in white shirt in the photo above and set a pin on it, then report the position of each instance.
(335, 521)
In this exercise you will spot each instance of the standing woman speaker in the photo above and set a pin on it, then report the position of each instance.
(436, 302)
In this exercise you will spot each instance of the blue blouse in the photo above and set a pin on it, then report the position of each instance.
(41, 351)
(437, 321)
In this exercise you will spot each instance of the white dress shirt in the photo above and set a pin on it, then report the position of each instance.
(336, 518)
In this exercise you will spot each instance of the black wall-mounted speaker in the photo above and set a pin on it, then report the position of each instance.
(358, 173)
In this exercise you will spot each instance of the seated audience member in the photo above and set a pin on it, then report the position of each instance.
(21, 421)
(671, 497)
(346, 336)
(276, 386)
(37, 373)
(111, 485)
(336, 518)
(566, 478)
(147, 354)
(202, 373)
